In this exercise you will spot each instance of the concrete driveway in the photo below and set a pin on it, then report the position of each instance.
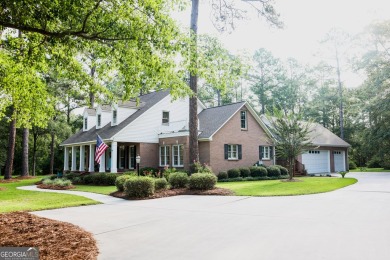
(351, 223)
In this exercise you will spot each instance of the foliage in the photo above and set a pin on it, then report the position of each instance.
(130, 173)
(120, 181)
(233, 173)
(100, 178)
(343, 174)
(222, 175)
(201, 168)
(161, 184)
(265, 178)
(178, 180)
(245, 172)
(202, 181)
(57, 182)
(167, 171)
(258, 171)
(283, 170)
(273, 171)
(139, 187)
(149, 171)
(352, 165)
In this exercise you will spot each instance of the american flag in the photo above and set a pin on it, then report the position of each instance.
(100, 148)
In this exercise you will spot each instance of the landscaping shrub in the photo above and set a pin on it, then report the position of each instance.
(148, 171)
(201, 168)
(245, 172)
(222, 175)
(343, 174)
(130, 173)
(233, 173)
(273, 171)
(202, 181)
(258, 171)
(99, 178)
(161, 184)
(352, 165)
(77, 180)
(375, 162)
(120, 181)
(178, 180)
(139, 187)
(168, 171)
(57, 182)
(283, 170)
(88, 179)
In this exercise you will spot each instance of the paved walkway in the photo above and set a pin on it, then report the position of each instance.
(352, 223)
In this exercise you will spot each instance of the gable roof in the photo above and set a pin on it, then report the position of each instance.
(108, 131)
(212, 119)
(90, 111)
(319, 135)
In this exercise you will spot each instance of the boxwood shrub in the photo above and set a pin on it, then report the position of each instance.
(245, 172)
(283, 170)
(120, 181)
(233, 173)
(273, 171)
(160, 184)
(258, 171)
(222, 175)
(139, 187)
(178, 180)
(202, 181)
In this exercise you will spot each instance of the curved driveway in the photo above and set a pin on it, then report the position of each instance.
(350, 223)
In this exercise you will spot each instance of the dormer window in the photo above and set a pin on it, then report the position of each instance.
(244, 123)
(165, 117)
(85, 123)
(114, 117)
(99, 120)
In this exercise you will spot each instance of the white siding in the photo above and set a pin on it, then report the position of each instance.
(91, 121)
(122, 113)
(147, 127)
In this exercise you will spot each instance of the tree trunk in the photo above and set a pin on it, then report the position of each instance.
(91, 92)
(219, 97)
(52, 153)
(34, 155)
(11, 149)
(193, 113)
(25, 171)
(341, 97)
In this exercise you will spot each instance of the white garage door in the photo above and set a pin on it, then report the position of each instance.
(339, 161)
(316, 161)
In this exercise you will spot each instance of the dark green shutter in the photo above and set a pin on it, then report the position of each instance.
(226, 151)
(271, 152)
(260, 152)
(239, 151)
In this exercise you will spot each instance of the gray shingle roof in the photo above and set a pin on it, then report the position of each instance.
(212, 119)
(108, 131)
(90, 111)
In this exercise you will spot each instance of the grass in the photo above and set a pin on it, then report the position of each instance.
(365, 169)
(307, 185)
(12, 199)
(106, 190)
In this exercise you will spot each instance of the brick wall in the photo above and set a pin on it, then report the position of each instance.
(174, 141)
(149, 154)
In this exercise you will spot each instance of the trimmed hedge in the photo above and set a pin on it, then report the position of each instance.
(258, 171)
(178, 180)
(233, 173)
(222, 175)
(120, 181)
(160, 184)
(255, 178)
(245, 172)
(57, 182)
(148, 171)
(139, 187)
(273, 171)
(283, 170)
(202, 181)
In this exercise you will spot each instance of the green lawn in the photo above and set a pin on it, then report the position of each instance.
(96, 189)
(307, 185)
(12, 199)
(364, 169)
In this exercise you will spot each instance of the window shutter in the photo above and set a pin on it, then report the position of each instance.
(271, 152)
(239, 151)
(226, 151)
(260, 152)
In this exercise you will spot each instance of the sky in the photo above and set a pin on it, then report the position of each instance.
(306, 23)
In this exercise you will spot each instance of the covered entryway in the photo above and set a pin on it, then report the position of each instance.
(316, 161)
(339, 161)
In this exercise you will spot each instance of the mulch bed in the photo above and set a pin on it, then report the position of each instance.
(175, 192)
(55, 239)
(55, 187)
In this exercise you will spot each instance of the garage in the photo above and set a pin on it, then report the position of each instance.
(316, 161)
(339, 161)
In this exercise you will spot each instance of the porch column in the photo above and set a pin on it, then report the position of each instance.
(102, 166)
(91, 158)
(82, 158)
(73, 167)
(114, 149)
(66, 158)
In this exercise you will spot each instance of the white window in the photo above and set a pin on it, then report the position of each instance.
(99, 120)
(244, 124)
(85, 123)
(266, 153)
(232, 152)
(165, 117)
(164, 155)
(178, 151)
(114, 117)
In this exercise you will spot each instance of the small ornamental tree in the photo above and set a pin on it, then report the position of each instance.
(291, 136)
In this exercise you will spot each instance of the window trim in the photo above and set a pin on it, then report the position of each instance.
(245, 120)
(166, 155)
(268, 152)
(230, 151)
(162, 117)
(178, 155)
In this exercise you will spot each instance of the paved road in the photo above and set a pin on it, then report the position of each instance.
(351, 223)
